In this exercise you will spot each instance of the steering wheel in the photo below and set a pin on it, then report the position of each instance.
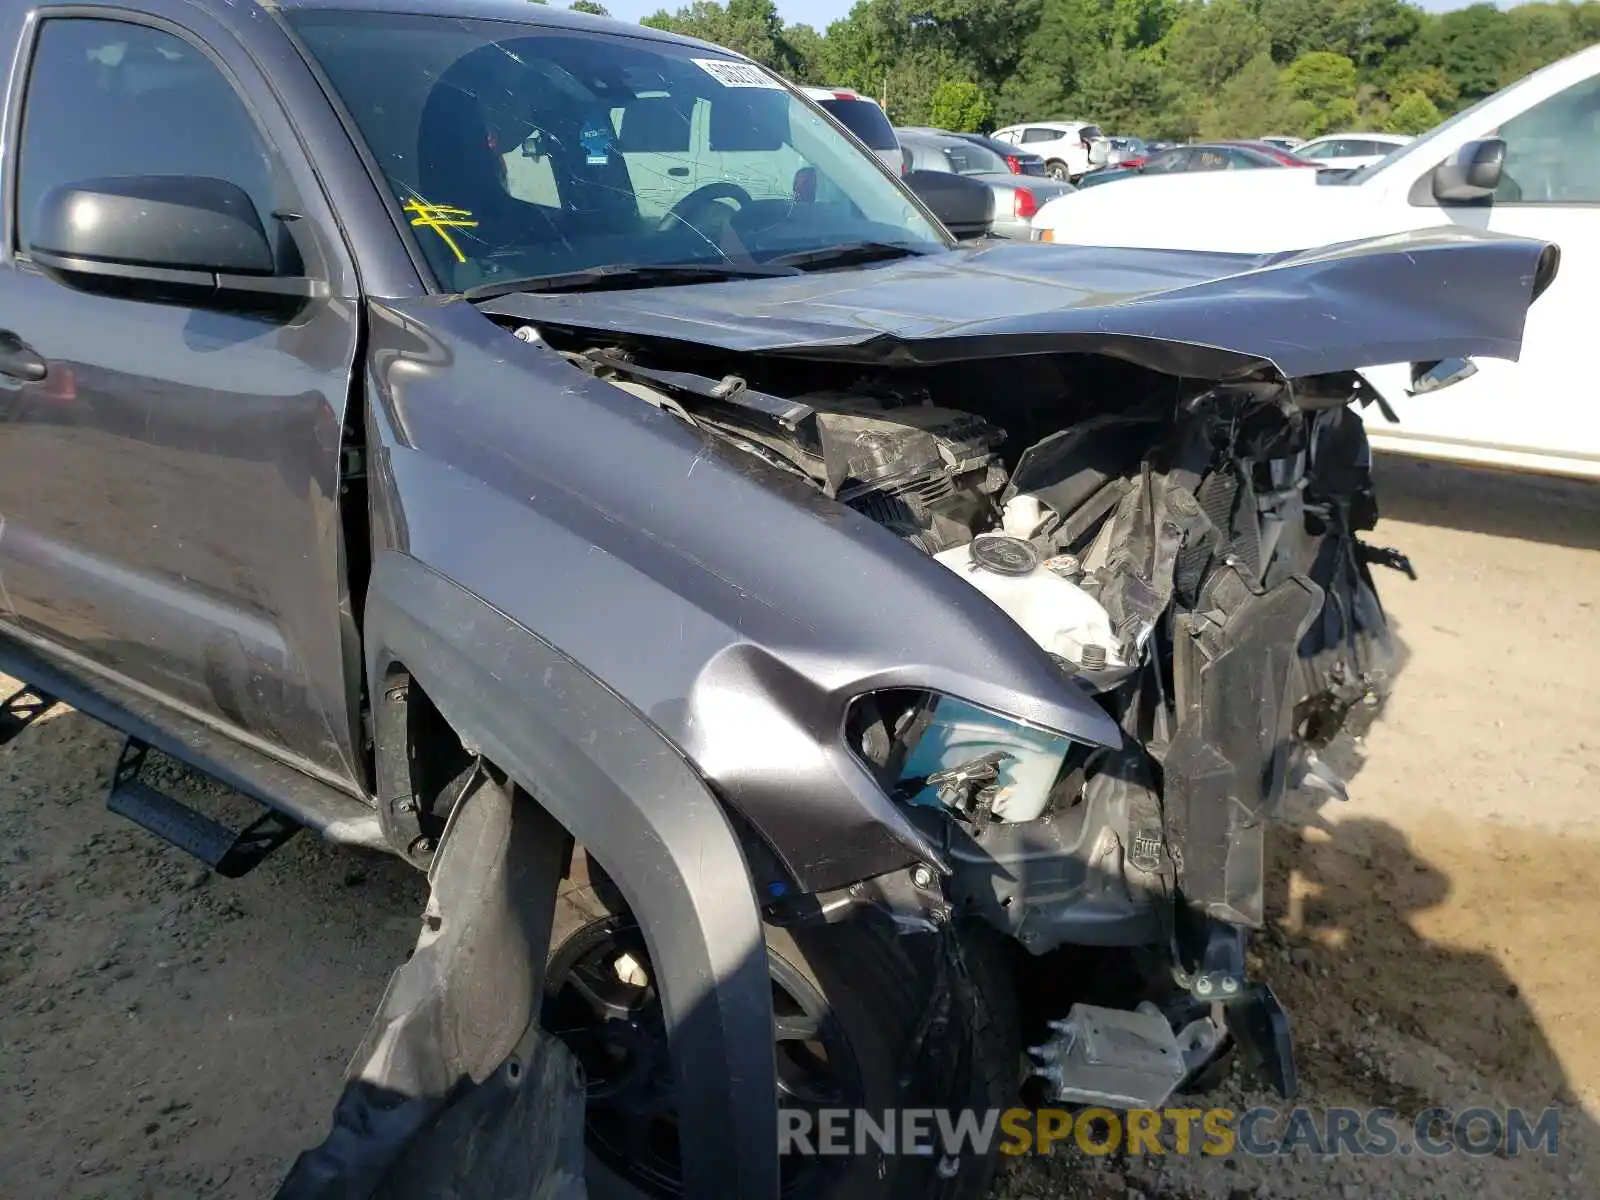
(709, 193)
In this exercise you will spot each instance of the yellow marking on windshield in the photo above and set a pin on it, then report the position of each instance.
(441, 218)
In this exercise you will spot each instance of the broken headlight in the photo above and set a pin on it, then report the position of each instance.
(938, 751)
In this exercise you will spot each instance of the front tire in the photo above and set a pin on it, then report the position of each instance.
(851, 1002)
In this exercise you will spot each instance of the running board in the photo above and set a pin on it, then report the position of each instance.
(21, 709)
(228, 853)
(1115, 1057)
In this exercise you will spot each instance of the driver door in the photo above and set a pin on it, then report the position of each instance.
(169, 478)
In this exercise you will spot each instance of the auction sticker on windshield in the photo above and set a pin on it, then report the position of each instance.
(737, 74)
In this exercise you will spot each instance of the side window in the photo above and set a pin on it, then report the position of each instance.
(1553, 150)
(1170, 160)
(1208, 160)
(1239, 160)
(1031, 136)
(108, 99)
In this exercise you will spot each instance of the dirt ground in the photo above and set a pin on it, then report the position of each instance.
(166, 1033)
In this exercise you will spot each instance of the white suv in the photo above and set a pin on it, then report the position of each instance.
(1070, 149)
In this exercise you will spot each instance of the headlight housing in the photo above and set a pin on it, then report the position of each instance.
(940, 751)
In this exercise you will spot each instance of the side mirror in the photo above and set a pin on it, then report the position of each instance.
(1471, 173)
(173, 239)
(965, 206)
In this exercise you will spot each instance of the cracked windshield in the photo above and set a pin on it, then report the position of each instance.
(524, 156)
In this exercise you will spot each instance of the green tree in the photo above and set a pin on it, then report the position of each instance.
(1413, 113)
(1369, 31)
(593, 7)
(1059, 51)
(1296, 27)
(1175, 67)
(1250, 104)
(1473, 46)
(1211, 43)
(1135, 24)
(1430, 81)
(1540, 34)
(1322, 91)
(961, 105)
(808, 50)
(750, 27)
(1129, 93)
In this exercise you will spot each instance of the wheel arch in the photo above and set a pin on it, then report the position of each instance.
(616, 785)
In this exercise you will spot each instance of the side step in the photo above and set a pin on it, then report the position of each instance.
(21, 709)
(228, 853)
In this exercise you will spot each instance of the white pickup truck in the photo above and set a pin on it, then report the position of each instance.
(1524, 161)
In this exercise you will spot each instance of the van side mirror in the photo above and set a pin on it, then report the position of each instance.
(1471, 173)
(169, 239)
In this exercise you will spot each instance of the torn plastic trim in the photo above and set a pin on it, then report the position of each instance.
(454, 1064)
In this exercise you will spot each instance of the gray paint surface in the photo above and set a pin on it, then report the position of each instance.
(1428, 295)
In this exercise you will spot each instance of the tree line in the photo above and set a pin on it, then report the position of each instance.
(1179, 69)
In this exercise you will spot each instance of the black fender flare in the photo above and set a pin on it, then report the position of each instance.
(627, 794)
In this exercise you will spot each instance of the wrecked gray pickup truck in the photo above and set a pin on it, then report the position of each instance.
(559, 454)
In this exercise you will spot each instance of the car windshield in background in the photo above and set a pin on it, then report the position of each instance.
(968, 158)
(520, 152)
(864, 119)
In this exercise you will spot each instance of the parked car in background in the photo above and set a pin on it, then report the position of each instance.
(1016, 198)
(1351, 149)
(862, 116)
(1525, 161)
(1282, 141)
(1126, 151)
(1070, 149)
(1017, 160)
(1209, 156)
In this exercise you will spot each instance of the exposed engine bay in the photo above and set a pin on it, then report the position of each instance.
(1186, 552)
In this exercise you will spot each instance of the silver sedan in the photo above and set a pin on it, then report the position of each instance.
(1016, 198)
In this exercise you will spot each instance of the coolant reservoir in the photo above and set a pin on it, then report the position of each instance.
(1059, 615)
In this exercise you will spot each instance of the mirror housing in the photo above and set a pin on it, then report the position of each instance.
(964, 206)
(172, 239)
(1471, 173)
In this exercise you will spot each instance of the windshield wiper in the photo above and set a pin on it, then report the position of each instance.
(849, 254)
(626, 275)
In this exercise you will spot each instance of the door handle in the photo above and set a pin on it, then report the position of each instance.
(18, 360)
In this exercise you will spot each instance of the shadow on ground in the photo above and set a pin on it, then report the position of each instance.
(1505, 504)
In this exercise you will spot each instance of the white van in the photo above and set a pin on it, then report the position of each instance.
(1525, 161)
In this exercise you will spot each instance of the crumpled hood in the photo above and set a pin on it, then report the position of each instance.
(1411, 297)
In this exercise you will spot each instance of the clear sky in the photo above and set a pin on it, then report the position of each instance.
(820, 12)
